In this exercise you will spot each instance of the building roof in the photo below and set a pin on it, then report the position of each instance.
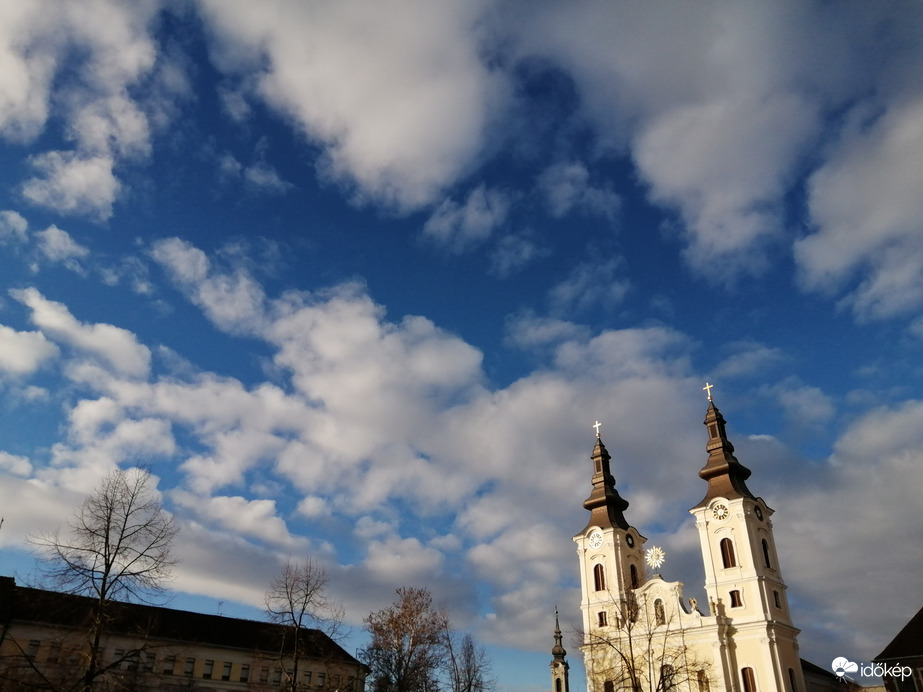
(68, 611)
(908, 642)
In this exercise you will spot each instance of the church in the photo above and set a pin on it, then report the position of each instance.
(638, 632)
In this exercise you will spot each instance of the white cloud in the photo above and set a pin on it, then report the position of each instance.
(58, 246)
(15, 464)
(400, 129)
(73, 184)
(22, 353)
(459, 227)
(116, 347)
(866, 205)
(512, 253)
(13, 227)
(255, 518)
(566, 189)
(594, 283)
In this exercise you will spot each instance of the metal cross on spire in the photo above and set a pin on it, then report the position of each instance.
(708, 388)
(597, 425)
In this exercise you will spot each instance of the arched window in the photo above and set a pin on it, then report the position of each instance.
(749, 679)
(609, 686)
(667, 675)
(766, 559)
(603, 618)
(633, 574)
(703, 681)
(727, 553)
(792, 680)
(557, 684)
(659, 615)
(599, 578)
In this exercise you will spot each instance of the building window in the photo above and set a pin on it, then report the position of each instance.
(777, 599)
(208, 670)
(264, 674)
(667, 677)
(792, 680)
(633, 574)
(749, 679)
(659, 616)
(603, 619)
(226, 671)
(190, 666)
(727, 553)
(766, 559)
(307, 678)
(277, 677)
(599, 578)
(557, 685)
(32, 649)
(244, 673)
(703, 681)
(321, 679)
(150, 658)
(609, 686)
(736, 602)
(54, 652)
(168, 663)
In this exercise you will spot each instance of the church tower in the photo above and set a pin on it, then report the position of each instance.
(743, 578)
(611, 556)
(560, 681)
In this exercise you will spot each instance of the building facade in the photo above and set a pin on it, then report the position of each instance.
(639, 633)
(44, 645)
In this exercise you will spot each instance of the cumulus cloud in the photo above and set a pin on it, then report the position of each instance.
(58, 246)
(866, 208)
(13, 227)
(591, 284)
(22, 353)
(566, 189)
(459, 227)
(116, 347)
(402, 128)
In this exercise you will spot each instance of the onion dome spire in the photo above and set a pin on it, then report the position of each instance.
(605, 504)
(725, 475)
(558, 649)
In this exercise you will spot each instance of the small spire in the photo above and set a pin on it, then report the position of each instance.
(558, 649)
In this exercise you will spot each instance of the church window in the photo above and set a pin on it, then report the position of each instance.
(659, 615)
(727, 553)
(603, 618)
(608, 686)
(702, 677)
(599, 578)
(633, 573)
(736, 602)
(749, 679)
(557, 685)
(777, 599)
(667, 677)
(792, 680)
(766, 559)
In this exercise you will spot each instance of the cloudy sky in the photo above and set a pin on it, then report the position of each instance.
(355, 280)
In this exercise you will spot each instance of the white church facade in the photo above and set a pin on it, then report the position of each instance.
(638, 632)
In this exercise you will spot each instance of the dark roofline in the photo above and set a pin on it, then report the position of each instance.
(70, 611)
(907, 643)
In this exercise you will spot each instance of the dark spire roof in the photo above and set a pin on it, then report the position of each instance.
(605, 504)
(558, 649)
(725, 475)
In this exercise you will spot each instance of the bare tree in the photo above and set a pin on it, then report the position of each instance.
(468, 668)
(117, 546)
(408, 644)
(644, 650)
(298, 599)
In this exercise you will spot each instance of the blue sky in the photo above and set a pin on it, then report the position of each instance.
(356, 279)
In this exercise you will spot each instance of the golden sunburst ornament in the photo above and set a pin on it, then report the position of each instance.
(654, 557)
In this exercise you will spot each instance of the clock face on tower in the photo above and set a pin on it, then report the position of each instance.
(596, 539)
(720, 511)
